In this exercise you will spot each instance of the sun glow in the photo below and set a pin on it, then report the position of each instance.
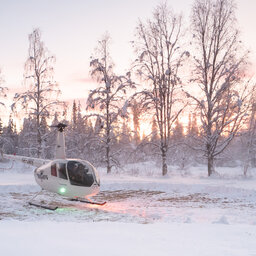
(145, 129)
(146, 126)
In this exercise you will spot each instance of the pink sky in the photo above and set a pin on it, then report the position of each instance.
(70, 30)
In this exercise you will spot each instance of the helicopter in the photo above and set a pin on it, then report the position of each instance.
(73, 179)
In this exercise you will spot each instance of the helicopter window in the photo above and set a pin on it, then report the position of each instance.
(79, 174)
(53, 170)
(62, 171)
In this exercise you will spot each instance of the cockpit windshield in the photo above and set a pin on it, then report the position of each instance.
(79, 174)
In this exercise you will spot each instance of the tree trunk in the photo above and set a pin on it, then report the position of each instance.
(108, 158)
(210, 165)
(108, 133)
(39, 147)
(164, 165)
(246, 166)
(39, 139)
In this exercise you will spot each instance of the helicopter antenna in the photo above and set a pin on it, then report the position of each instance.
(60, 145)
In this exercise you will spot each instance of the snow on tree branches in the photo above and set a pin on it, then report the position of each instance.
(158, 64)
(107, 101)
(219, 66)
(40, 99)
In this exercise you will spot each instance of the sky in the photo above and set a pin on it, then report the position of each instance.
(71, 29)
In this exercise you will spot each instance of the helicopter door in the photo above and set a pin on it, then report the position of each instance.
(54, 170)
(62, 173)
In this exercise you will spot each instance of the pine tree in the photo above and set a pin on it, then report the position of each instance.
(193, 130)
(80, 121)
(154, 130)
(178, 131)
(98, 125)
(28, 138)
(1, 126)
(74, 115)
(9, 137)
(125, 133)
(136, 112)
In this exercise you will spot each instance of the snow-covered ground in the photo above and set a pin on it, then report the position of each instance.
(186, 213)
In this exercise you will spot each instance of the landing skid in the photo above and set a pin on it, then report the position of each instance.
(44, 206)
(48, 207)
(87, 201)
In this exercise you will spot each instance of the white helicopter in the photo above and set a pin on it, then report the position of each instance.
(73, 179)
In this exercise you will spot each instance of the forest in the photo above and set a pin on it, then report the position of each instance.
(189, 85)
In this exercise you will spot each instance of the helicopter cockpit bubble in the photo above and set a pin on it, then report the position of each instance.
(80, 174)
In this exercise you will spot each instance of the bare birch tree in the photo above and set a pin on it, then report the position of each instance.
(42, 95)
(4, 141)
(159, 60)
(218, 73)
(248, 138)
(108, 98)
(136, 114)
(3, 90)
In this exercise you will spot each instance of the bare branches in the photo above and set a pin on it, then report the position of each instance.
(41, 97)
(218, 73)
(3, 90)
(108, 97)
(160, 58)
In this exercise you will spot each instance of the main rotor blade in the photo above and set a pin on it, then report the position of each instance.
(60, 126)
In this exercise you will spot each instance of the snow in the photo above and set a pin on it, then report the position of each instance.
(185, 213)
(69, 238)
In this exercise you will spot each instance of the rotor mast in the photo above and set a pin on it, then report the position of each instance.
(60, 145)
